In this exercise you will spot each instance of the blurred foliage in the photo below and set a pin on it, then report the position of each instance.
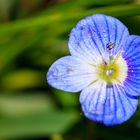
(33, 34)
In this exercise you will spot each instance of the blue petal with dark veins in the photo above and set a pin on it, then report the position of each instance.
(110, 106)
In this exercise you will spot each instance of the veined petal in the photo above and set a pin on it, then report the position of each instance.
(109, 105)
(70, 74)
(131, 53)
(91, 35)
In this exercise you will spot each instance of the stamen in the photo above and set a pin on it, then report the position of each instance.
(109, 72)
(110, 45)
(112, 69)
(109, 85)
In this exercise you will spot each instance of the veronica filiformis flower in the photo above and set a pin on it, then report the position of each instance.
(104, 65)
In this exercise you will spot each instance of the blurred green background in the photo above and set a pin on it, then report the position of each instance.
(33, 34)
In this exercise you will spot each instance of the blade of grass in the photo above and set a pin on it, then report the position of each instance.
(47, 20)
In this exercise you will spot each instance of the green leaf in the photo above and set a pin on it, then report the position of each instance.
(37, 124)
(46, 20)
(21, 104)
(22, 79)
(102, 2)
(67, 99)
(24, 115)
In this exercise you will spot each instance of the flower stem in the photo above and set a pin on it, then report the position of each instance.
(91, 130)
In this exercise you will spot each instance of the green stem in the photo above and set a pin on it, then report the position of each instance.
(91, 130)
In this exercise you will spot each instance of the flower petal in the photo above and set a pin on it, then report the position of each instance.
(109, 105)
(91, 35)
(70, 74)
(131, 54)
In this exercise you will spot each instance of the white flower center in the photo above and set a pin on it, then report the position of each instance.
(112, 70)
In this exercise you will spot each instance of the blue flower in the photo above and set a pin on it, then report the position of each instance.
(104, 65)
